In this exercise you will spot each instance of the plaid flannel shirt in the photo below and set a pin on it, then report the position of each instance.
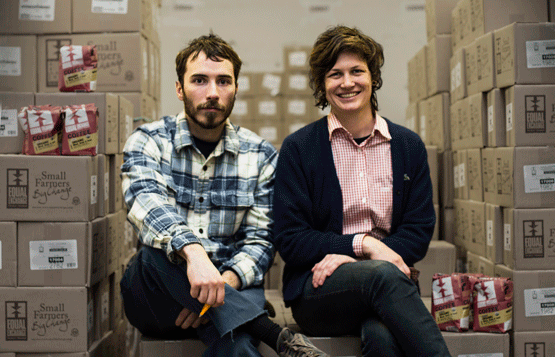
(175, 196)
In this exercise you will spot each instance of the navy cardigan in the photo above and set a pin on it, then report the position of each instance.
(308, 207)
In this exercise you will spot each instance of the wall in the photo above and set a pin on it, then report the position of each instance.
(258, 29)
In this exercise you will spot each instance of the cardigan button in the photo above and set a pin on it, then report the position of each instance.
(398, 192)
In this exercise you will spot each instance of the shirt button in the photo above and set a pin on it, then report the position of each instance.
(201, 230)
(201, 199)
(364, 200)
(205, 167)
(361, 174)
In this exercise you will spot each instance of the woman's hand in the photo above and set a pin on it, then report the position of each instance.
(377, 250)
(327, 266)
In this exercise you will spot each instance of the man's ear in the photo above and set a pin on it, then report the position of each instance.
(179, 90)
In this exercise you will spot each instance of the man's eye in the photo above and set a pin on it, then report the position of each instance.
(225, 81)
(198, 80)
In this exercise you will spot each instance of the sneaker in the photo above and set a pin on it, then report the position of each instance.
(292, 344)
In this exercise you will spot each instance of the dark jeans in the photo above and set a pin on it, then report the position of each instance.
(375, 300)
(154, 292)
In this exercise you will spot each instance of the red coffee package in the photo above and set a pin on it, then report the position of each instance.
(451, 296)
(77, 69)
(44, 127)
(493, 305)
(80, 136)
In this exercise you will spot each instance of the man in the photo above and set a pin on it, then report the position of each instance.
(199, 193)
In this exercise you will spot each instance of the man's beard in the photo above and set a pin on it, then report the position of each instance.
(211, 121)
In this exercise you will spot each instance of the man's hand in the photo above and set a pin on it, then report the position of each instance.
(187, 318)
(327, 266)
(207, 284)
(377, 250)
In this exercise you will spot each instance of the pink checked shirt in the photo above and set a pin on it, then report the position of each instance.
(366, 179)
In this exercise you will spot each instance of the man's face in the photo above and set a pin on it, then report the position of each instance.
(208, 91)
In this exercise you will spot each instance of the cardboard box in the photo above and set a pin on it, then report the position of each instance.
(477, 264)
(268, 108)
(534, 298)
(480, 69)
(529, 238)
(122, 61)
(267, 83)
(433, 163)
(440, 258)
(489, 178)
(438, 128)
(412, 120)
(477, 114)
(246, 85)
(446, 224)
(501, 270)
(477, 344)
(143, 109)
(299, 108)
(460, 236)
(126, 115)
(103, 185)
(524, 54)
(101, 296)
(11, 134)
(530, 115)
(474, 166)
(123, 16)
(46, 319)
(116, 201)
(295, 58)
(269, 129)
(108, 117)
(411, 79)
(18, 67)
(489, 15)
(460, 124)
(460, 25)
(534, 343)
(48, 188)
(8, 260)
(243, 111)
(421, 74)
(42, 17)
(494, 233)
(424, 121)
(297, 83)
(460, 174)
(114, 239)
(437, 71)
(61, 253)
(525, 177)
(457, 64)
(476, 234)
(446, 179)
(495, 103)
(438, 17)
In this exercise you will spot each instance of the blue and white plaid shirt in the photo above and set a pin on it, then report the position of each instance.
(175, 196)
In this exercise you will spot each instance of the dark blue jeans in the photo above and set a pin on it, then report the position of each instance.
(154, 292)
(375, 300)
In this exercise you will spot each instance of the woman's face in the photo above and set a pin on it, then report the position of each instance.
(349, 85)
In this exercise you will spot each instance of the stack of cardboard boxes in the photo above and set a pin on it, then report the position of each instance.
(277, 104)
(500, 166)
(64, 238)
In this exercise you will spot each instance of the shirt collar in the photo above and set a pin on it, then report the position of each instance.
(380, 127)
(183, 138)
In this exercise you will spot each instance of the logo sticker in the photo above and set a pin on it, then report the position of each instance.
(535, 113)
(533, 239)
(16, 321)
(18, 188)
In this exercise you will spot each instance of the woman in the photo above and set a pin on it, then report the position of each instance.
(353, 209)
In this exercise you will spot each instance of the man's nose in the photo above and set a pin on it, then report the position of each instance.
(212, 92)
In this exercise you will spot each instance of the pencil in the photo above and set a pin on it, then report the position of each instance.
(204, 309)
